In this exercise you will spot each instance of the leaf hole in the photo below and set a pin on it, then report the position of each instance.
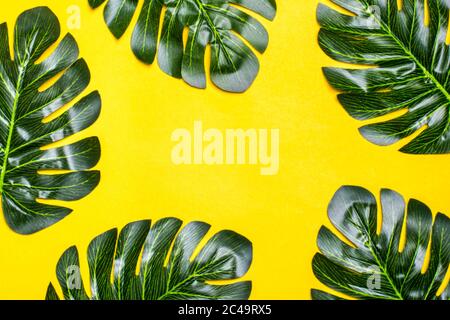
(413, 135)
(172, 244)
(137, 270)
(426, 13)
(50, 82)
(185, 37)
(62, 143)
(55, 114)
(447, 39)
(379, 213)
(208, 56)
(53, 171)
(403, 235)
(47, 53)
(54, 202)
(406, 140)
(445, 283)
(426, 261)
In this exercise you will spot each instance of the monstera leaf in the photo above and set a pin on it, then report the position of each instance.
(217, 23)
(377, 265)
(408, 69)
(167, 270)
(26, 131)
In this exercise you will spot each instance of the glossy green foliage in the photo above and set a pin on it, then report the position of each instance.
(407, 74)
(169, 266)
(376, 265)
(217, 23)
(26, 131)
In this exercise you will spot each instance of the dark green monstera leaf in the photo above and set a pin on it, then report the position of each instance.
(26, 132)
(168, 268)
(375, 265)
(407, 74)
(217, 23)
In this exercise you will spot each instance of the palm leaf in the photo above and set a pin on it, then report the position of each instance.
(376, 265)
(25, 128)
(166, 270)
(407, 74)
(216, 23)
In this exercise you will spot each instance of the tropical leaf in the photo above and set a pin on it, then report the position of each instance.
(407, 74)
(217, 23)
(26, 131)
(167, 268)
(377, 265)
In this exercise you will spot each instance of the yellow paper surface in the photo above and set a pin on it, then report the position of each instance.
(320, 150)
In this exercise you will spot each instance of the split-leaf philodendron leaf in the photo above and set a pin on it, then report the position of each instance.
(380, 265)
(169, 266)
(408, 73)
(217, 23)
(26, 131)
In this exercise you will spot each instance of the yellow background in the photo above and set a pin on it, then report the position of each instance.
(321, 150)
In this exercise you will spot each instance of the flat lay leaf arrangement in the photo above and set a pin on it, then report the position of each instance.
(26, 132)
(375, 265)
(167, 268)
(407, 74)
(217, 23)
